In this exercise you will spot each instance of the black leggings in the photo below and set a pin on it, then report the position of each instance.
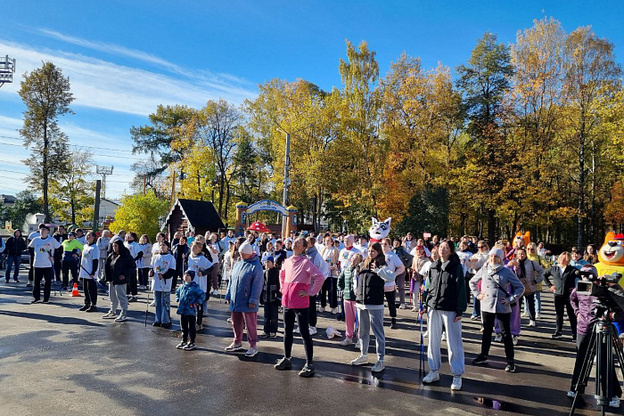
(304, 329)
(312, 318)
(143, 277)
(329, 289)
(270, 317)
(70, 266)
(89, 287)
(488, 326)
(42, 273)
(187, 322)
(531, 305)
(391, 298)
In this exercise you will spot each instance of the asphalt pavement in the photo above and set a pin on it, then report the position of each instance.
(56, 360)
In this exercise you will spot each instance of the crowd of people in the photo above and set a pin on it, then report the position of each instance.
(352, 278)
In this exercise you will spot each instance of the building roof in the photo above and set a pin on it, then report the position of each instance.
(7, 199)
(199, 214)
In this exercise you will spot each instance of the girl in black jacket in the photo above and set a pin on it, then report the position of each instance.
(15, 246)
(119, 267)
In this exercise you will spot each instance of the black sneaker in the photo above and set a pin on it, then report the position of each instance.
(28, 284)
(92, 308)
(511, 368)
(16, 281)
(156, 324)
(189, 347)
(45, 301)
(393, 324)
(556, 335)
(481, 359)
(166, 326)
(283, 364)
(264, 335)
(181, 345)
(84, 308)
(7, 281)
(307, 371)
(35, 301)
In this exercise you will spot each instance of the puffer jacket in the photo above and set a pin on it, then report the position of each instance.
(584, 309)
(188, 296)
(118, 265)
(445, 287)
(245, 285)
(370, 285)
(493, 292)
(346, 282)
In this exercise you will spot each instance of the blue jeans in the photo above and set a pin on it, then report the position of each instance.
(538, 302)
(476, 309)
(13, 260)
(163, 303)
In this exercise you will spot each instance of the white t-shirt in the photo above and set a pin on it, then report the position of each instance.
(44, 249)
(89, 253)
(345, 257)
(161, 263)
(395, 265)
(197, 263)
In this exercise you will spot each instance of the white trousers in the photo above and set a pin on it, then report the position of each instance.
(437, 320)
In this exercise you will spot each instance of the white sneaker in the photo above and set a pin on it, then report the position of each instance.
(319, 309)
(615, 402)
(361, 360)
(345, 342)
(378, 367)
(325, 309)
(251, 352)
(457, 383)
(296, 330)
(432, 377)
(532, 323)
(570, 394)
(334, 311)
(538, 316)
(313, 330)
(122, 317)
(109, 315)
(498, 338)
(401, 306)
(514, 339)
(153, 303)
(358, 344)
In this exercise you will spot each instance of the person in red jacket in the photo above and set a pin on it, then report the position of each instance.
(299, 279)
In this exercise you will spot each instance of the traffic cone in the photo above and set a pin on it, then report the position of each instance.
(75, 292)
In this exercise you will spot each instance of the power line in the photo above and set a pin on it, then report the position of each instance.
(75, 145)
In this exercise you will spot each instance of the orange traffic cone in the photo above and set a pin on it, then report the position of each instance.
(75, 292)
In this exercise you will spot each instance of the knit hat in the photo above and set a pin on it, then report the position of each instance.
(497, 252)
(269, 258)
(190, 273)
(245, 248)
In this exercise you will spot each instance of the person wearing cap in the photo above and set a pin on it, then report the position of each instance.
(243, 296)
(270, 298)
(89, 269)
(72, 248)
(499, 287)
(300, 280)
(189, 297)
(43, 248)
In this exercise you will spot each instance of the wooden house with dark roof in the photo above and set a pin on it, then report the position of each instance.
(196, 216)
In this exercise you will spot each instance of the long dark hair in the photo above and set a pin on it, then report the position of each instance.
(379, 261)
(121, 248)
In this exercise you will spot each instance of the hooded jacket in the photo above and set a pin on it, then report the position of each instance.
(245, 285)
(117, 265)
(188, 296)
(15, 245)
(299, 273)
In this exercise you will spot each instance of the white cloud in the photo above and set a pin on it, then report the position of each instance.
(104, 85)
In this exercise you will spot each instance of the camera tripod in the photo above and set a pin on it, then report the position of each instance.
(602, 343)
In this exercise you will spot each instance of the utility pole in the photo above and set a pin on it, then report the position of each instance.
(286, 170)
(104, 171)
(96, 209)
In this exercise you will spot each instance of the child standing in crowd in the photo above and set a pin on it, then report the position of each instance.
(270, 297)
(346, 284)
(200, 266)
(189, 296)
(163, 269)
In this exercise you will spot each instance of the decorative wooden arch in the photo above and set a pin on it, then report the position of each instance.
(243, 211)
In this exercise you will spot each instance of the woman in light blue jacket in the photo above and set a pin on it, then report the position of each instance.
(243, 295)
(497, 287)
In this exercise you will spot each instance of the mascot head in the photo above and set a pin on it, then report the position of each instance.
(379, 230)
(521, 240)
(612, 251)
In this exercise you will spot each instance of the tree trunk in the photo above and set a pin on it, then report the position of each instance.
(227, 202)
(44, 171)
(491, 227)
(580, 231)
(72, 205)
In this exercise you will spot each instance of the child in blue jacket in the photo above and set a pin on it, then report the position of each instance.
(189, 296)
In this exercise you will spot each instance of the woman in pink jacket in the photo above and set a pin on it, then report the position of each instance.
(299, 279)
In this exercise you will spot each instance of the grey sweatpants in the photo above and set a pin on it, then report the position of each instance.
(437, 320)
(118, 296)
(366, 317)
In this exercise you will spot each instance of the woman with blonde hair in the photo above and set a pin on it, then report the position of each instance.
(561, 280)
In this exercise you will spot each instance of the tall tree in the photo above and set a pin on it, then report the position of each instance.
(590, 74)
(140, 214)
(484, 83)
(46, 94)
(72, 190)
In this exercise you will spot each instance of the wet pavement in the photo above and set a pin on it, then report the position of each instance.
(57, 360)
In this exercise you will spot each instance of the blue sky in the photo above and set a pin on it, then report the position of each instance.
(126, 57)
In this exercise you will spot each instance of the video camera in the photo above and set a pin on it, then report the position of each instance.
(605, 288)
